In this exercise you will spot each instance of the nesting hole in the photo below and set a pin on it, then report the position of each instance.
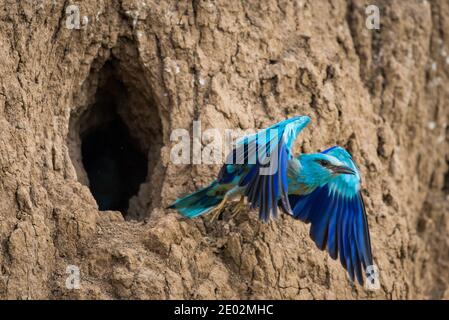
(115, 139)
(113, 162)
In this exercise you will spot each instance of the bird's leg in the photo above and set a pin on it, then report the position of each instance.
(238, 207)
(215, 212)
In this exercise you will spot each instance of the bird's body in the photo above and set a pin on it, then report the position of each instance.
(321, 188)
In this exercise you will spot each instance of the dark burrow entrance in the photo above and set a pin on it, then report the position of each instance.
(113, 163)
(115, 139)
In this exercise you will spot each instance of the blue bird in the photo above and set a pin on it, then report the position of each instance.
(320, 188)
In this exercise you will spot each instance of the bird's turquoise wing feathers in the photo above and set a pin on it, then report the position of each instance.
(264, 157)
(338, 220)
(199, 202)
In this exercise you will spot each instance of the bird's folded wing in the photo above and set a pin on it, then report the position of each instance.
(265, 156)
(338, 220)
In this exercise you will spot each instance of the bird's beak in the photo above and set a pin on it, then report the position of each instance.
(342, 170)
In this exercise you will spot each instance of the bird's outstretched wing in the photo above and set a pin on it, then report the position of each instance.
(338, 219)
(265, 157)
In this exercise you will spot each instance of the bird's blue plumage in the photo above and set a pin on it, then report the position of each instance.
(336, 212)
(322, 189)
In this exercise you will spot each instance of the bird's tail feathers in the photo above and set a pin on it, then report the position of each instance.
(197, 203)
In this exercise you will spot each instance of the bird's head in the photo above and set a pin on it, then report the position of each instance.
(322, 167)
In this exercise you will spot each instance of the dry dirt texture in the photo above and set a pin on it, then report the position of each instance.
(383, 94)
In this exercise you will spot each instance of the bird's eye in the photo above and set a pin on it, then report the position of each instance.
(324, 163)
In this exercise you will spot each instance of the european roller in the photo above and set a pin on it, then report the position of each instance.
(322, 189)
